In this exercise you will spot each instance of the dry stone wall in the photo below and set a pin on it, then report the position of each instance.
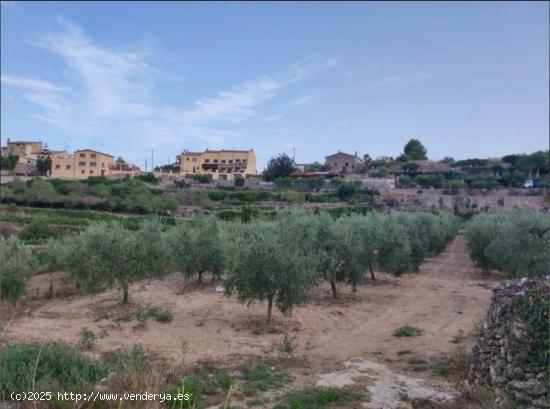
(506, 355)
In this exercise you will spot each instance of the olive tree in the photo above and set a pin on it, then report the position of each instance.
(393, 253)
(107, 254)
(17, 265)
(480, 232)
(197, 247)
(428, 234)
(265, 263)
(517, 243)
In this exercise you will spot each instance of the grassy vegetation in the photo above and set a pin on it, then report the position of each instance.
(318, 398)
(407, 331)
(98, 193)
(259, 378)
(52, 366)
(69, 217)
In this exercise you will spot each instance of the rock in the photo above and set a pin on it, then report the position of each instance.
(500, 357)
(531, 387)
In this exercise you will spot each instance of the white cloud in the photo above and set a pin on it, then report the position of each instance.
(31, 83)
(117, 82)
(303, 100)
(52, 102)
(113, 92)
(400, 80)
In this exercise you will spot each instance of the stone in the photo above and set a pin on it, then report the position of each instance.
(531, 387)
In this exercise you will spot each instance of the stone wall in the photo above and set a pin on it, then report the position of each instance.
(504, 348)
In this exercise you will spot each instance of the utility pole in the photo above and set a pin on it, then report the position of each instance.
(152, 168)
(145, 165)
(294, 155)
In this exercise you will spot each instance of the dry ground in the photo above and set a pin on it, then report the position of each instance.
(447, 295)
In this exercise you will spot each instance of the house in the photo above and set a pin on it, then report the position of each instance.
(220, 164)
(28, 151)
(343, 162)
(81, 165)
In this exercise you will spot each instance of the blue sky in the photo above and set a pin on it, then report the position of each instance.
(467, 79)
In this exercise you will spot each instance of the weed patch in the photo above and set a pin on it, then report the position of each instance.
(407, 331)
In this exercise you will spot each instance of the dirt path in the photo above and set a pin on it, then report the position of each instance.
(443, 298)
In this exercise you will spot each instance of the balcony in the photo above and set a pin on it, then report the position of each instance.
(210, 166)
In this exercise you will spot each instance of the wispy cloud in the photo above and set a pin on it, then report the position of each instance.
(400, 80)
(116, 81)
(303, 100)
(114, 89)
(31, 83)
(271, 118)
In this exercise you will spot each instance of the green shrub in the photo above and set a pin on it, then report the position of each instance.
(148, 178)
(407, 331)
(124, 361)
(239, 181)
(535, 312)
(347, 189)
(36, 231)
(52, 366)
(218, 195)
(202, 177)
(404, 180)
(453, 185)
(87, 338)
(320, 198)
(16, 266)
(292, 196)
(426, 181)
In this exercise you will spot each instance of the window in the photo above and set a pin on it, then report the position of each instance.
(237, 161)
(93, 164)
(102, 164)
(82, 155)
(187, 159)
(215, 161)
(68, 167)
(82, 171)
(244, 160)
(91, 171)
(207, 161)
(82, 164)
(223, 160)
(92, 155)
(194, 159)
(230, 160)
(58, 166)
(347, 164)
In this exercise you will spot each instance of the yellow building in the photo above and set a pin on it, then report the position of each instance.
(222, 165)
(81, 165)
